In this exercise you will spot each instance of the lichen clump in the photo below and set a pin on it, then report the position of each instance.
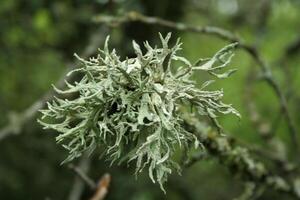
(131, 108)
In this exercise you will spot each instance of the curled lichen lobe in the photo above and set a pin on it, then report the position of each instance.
(130, 107)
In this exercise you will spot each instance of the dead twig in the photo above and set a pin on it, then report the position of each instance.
(102, 188)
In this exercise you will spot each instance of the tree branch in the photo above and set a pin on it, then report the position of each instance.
(100, 189)
(238, 160)
(78, 185)
(82, 174)
(18, 120)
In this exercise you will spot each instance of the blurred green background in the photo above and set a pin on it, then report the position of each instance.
(37, 42)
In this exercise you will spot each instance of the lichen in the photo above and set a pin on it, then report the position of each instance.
(131, 108)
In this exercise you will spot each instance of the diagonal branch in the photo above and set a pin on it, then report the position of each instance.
(81, 174)
(238, 160)
(100, 189)
(19, 120)
(78, 185)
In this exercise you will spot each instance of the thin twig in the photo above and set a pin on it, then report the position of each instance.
(78, 185)
(137, 17)
(102, 187)
(82, 174)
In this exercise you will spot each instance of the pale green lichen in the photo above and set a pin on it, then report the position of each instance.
(130, 107)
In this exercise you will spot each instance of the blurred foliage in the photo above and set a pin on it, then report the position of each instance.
(38, 39)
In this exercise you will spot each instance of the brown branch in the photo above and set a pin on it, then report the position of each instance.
(222, 34)
(102, 188)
